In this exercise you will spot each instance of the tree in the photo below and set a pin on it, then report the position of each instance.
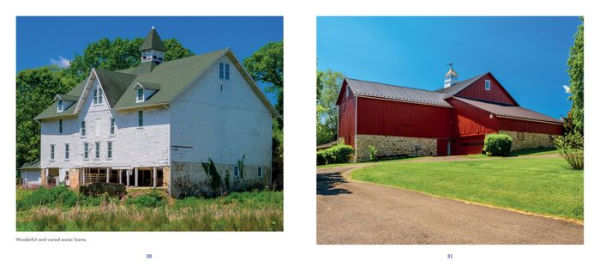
(328, 89)
(266, 65)
(117, 54)
(575, 70)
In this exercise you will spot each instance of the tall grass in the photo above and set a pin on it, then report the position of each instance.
(247, 211)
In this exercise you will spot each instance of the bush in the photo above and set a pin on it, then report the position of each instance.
(151, 200)
(187, 188)
(497, 144)
(337, 154)
(570, 148)
(372, 153)
(97, 189)
(321, 158)
(55, 196)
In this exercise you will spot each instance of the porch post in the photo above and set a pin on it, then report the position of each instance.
(136, 177)
(127, 178)
(83, 176)
(154, 175)
(108, 175)
(120, 177)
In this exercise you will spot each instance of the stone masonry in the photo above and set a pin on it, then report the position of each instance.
(530, 140)
(389, 146)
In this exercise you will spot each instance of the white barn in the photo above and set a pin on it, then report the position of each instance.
(153, 124)
(30, 174)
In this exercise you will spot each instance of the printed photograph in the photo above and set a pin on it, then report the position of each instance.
(450, 130)
(149, 124)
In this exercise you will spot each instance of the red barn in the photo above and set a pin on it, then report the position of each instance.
(453, 120)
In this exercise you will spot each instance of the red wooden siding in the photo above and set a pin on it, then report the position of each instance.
(496, 94)
(529, 126)
(471, 121)
(393, 118)
(346, 112)
(469, 145)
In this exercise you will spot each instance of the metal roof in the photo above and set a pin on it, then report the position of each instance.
(515, 112)
(400, 93)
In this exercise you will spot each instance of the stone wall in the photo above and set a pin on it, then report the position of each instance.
(390, 146)
(74, 178)
(194, 172)
(530, 140)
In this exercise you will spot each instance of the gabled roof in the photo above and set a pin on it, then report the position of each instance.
(172, 78)
(31, 165)
(65, 97)
(514, 112)
(459, 86)
(152, 42)
(394, 92)
(51, 111)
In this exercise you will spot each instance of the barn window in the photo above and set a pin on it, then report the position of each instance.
(221, 71)
(226, 71)
(140, 95)
(51, 152)
(520, 136)
(260, 172)
(140, 118)
(85, 150)
(487, 85)
(112, 126)
(82, 128)
(109, 150)
(60, 106)
(66, 151)
(97, 150)
(550, 138)
(60, 129)
(98, 95)
(236, 171)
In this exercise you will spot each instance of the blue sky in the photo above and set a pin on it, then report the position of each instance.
(528, 55)
(47, 40)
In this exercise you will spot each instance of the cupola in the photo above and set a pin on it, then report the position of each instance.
(152, 49)
(450, 78)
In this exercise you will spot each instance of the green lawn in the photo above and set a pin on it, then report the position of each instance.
(540, 185)
(246, 211)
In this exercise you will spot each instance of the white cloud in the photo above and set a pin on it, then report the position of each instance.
(61, 62)
(567, 89)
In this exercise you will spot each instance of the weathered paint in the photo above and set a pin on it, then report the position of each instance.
(394, 118)
(496, 94)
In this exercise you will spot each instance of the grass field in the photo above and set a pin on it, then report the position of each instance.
(247, 211)
(540, 185)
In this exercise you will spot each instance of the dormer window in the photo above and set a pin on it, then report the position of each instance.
(487, 85)
(60, 106)
(140, 95)
(98, 95)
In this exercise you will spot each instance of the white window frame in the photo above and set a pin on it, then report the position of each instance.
(236, 171)
(82, 130)
(67, 151)
(137, 95)
(98, 95)
(112, 126)
(488, 85)
(109, 149)
(52, 152)
(97, 152)
(60, 106)
(260, 172)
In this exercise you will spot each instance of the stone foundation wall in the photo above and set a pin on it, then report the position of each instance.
(73, 178)
(389, 146)
(43, 179)
(530, 140)
(194, 172)
(167, 178)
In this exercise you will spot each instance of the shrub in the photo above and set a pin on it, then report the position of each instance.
(55, 196)
(187, 188)
(337, 154)
(497, 144)
(372, 153)
(570, 148)
(97, 189)
(152, 200)
(321, 158)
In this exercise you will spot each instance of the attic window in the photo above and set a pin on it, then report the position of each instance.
(140, 95)
(98, 95)
(223, 71)
(347, 91)
(487, 85)
(60, 106)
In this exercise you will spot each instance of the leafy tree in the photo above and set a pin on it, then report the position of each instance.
(117, 54)
(266, 65)
(36, 89)
(575, 70)
(328, 89)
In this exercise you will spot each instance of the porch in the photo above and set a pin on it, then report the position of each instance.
(142, 177)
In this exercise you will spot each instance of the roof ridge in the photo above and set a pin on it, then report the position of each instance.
(404, 87)
(471, 80)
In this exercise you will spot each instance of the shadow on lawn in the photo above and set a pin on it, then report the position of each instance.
(326, 184)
